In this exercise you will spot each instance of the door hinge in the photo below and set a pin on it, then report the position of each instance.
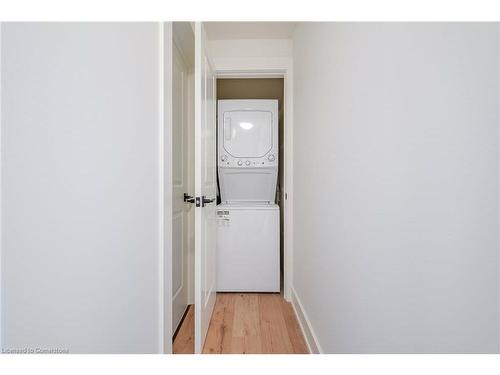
(198, 201)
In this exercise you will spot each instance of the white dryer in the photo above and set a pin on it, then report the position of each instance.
(248, 150)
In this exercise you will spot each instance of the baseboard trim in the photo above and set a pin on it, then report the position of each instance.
(305, 325)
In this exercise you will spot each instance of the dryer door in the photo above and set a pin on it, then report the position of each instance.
(248, 133)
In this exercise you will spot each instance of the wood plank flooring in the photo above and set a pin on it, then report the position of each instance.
(184, 340)
(246, 323)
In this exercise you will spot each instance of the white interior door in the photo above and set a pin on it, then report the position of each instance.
(205, 186)
(179, 187)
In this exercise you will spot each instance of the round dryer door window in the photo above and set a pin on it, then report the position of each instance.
(248, 134)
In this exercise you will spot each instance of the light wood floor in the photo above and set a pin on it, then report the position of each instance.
(258, 323)
(184, 340)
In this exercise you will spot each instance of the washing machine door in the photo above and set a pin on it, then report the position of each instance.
(247, 133)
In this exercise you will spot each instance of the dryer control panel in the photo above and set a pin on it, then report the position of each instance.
(231, 162)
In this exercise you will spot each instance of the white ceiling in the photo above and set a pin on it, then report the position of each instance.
(249, 30)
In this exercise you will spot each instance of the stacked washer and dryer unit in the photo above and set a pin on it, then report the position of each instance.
(248, 230)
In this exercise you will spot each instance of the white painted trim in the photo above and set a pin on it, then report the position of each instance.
(498, 225)
(305, 324)
(227, 75)
(165, 188)
(1, 293)
(198, 342)
(161, 184)
(288, 155)
(283, 69)
(190, 186)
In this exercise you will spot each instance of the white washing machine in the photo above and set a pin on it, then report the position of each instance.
(248, 247)
(248, 228)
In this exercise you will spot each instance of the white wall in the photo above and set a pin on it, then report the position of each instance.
(80, 187)
(1, 317)
(396, 206)
(250, 54)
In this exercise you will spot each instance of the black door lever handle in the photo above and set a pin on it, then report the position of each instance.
(206, 200)
(188, 198)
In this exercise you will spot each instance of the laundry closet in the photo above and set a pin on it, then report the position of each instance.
(248, 159)
(236, 177)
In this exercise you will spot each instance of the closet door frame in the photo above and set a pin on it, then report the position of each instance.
(283, 68)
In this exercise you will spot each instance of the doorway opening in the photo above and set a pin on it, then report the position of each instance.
(242, 321)
(250, 321)
(272, 321)
(262, 89)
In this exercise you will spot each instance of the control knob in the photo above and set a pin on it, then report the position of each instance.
(247, 162)
(270, 157)
(240, 162)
